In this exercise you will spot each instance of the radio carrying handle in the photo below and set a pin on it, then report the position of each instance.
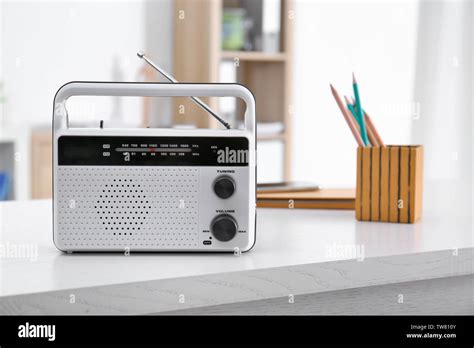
(150, 89)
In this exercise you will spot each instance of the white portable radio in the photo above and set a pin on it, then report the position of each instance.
(153, 189)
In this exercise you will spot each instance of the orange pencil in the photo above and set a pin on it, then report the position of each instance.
(371, 126)
(347, 116)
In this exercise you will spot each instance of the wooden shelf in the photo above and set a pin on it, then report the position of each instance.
(254, 56)
(270, 137)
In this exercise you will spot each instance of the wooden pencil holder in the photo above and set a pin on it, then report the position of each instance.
(389, 183)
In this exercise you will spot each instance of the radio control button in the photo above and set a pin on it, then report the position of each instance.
(224, 228)
(224, 187)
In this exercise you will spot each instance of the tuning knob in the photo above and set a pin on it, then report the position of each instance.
(224, 187)
(224, 228)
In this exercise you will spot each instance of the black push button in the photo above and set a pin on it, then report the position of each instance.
(224, 187)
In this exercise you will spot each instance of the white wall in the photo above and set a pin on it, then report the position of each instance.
(46, 44)
(444, 88)
(444, 81)
(376, 40)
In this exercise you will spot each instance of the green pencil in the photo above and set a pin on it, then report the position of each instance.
(360, 115)
(352, 110)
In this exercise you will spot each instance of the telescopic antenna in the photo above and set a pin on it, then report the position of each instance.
(170, 78)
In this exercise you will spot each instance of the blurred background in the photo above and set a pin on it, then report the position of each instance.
(412, 59)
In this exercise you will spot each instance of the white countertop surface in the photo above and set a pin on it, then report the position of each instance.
(292, 245)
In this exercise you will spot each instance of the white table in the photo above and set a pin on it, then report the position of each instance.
(301, 257)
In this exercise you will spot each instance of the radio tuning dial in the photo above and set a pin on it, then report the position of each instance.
(224, 187)
(224, 228)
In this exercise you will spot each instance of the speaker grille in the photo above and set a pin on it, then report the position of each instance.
(136, 207)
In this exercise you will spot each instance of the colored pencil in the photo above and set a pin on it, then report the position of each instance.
(360, 115)
(352, 110)
(372, 139)
(347, 117)
(371, 126)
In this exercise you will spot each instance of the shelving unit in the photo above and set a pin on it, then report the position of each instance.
(254, 56)
(7, 165)
(41, 165)
(197, 58)
(280, 136)
(15, 160)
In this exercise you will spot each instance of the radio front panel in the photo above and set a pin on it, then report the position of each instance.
(116, 193)
(152, 189)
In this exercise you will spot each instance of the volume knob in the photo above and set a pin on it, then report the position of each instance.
(224, 187)
(224, 228)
